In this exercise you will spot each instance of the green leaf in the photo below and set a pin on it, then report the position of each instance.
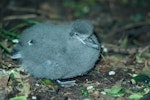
(19, 98)
(137, 17)
(8, 33)
(124, 42)
(114, 91)
(136, 96)
(47, 82)
(85, 93)
(146, 54)
(12, 76)
(142, 78)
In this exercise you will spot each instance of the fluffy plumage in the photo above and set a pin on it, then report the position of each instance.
(58, 51)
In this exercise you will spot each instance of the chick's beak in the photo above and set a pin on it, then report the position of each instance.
(91, 42)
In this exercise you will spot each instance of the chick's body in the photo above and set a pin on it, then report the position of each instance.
(49, 51)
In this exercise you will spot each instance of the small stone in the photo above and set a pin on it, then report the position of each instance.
(104, 93)
(90, 88)
(37, 84)
(34, 98)
(112, 73)
(133, 81)
(104, 49)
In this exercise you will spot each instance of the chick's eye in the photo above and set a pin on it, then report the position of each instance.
(75, 33)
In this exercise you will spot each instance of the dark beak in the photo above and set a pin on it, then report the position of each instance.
(91, 42)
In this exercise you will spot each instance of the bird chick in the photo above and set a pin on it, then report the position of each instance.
(58, 51)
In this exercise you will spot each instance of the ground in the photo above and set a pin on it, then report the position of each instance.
(122, 71)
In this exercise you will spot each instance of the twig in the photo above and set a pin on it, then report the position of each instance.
(129, 26)
(117, 49)
(32, 10)
(26, 16)
(144, 49)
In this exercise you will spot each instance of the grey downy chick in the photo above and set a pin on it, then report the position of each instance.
(58, 51)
